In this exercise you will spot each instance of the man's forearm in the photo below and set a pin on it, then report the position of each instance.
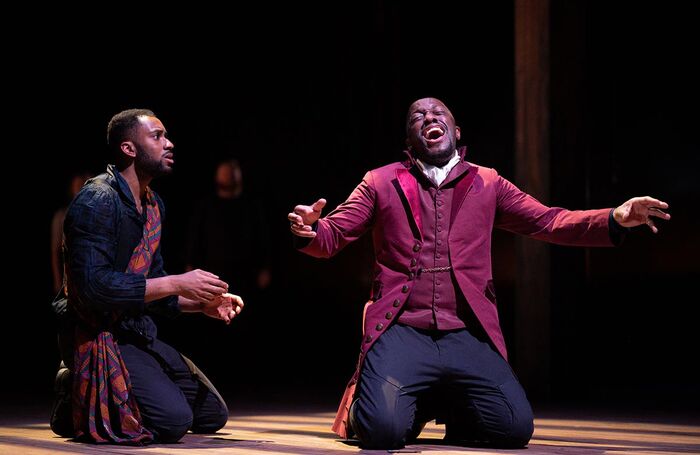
(189, 305)
(157, 288)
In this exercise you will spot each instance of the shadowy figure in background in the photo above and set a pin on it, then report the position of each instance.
(129, 387)
(432, 345)
(74, 184)
(228, 234)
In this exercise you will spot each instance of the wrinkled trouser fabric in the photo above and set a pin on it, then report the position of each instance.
(411, 376)
(173, 395)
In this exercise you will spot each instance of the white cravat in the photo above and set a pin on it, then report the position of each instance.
(438, 174)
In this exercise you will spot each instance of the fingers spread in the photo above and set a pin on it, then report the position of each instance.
(654, 211)
(652, 226)
(650, 201)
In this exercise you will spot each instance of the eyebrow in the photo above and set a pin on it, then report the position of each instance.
(435, 107)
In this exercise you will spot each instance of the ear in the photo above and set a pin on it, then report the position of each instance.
(458, 132)
(128, 149)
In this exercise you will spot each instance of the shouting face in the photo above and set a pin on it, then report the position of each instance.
(431, 131)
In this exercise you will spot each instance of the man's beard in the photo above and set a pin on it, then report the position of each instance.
(438, 158)
(147, 165)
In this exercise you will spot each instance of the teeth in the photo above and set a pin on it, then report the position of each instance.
(433, 132)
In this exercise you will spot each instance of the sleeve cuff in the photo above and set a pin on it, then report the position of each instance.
(167, 306)
(616, 231)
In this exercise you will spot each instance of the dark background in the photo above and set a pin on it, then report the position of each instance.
(309, 98)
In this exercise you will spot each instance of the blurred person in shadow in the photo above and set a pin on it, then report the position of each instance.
(128, 386)
(228, 233)
(76, 181)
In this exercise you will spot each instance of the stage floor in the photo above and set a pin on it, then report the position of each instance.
(294, 431)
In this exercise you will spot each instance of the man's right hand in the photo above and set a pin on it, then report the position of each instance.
(200, 285)
(303, 217)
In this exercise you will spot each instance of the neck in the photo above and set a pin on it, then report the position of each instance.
(440, 164)
(137, 184)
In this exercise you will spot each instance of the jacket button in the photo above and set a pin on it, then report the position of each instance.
(416, 247)
(413, 262)
(404, 288)
(397, 302)
(388, 315)
(368, 338)
(379, 326)
(411, 275)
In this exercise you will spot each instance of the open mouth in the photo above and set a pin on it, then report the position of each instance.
(433, 134)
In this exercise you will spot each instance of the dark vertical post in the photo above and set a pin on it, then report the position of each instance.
(532, 307)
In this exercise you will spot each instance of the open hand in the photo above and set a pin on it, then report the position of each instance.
(225, 307)
(303, 217)
(640, 210)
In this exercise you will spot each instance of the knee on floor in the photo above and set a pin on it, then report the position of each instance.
(522, 432)
(210, 423)
(171, 427)
(517, 434)
(380, 433)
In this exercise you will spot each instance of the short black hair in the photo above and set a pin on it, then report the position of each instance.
(121, 125)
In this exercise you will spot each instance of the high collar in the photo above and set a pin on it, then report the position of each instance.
(456, 172)
(411, 161)
(438, 174)
(123, 187)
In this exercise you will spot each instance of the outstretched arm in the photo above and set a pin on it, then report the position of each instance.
(640, 210)
(328, 235)
(519, 212)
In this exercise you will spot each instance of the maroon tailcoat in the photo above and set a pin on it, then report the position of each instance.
(387, 202)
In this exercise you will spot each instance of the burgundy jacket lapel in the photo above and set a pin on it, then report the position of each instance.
(461, 189)
(409, 187)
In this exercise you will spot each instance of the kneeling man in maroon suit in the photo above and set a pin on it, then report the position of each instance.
(432, 346)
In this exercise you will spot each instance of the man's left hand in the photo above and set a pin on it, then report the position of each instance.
(224, 307)
(640, 210)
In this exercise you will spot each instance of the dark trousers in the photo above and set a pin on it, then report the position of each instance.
(171, 399)
(172, 394)
(411, 376)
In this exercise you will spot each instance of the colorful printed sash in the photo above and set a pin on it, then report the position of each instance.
(104, 409)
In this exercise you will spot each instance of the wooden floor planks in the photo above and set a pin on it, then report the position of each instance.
(309, 433)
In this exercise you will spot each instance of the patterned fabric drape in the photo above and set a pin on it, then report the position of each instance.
(104, 409)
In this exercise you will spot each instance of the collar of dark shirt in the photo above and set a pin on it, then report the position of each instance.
(123, 188)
